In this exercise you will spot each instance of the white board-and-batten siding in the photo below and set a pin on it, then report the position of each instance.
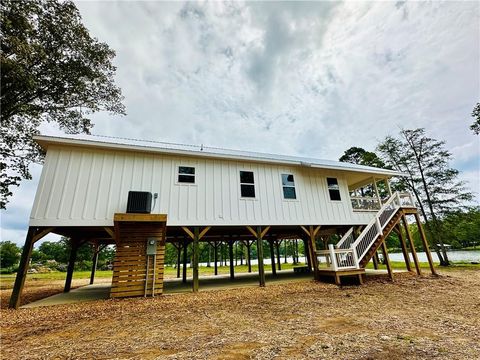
(85, 187)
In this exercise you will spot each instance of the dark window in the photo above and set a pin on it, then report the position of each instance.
(246, 177)
(288, 185)
(333, 189)
(186, 174)
(247, 187)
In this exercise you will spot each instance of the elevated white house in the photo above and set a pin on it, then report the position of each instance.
(208, 194)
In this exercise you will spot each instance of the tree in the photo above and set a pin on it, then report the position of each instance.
(462, 228)
(475, 127)
(357, 155)
(53, 71)
(9, 254)
(434, 184)
(55, 250)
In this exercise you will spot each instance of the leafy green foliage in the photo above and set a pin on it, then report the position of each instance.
(475, 127)
(52, 71)
(357, 155)
(9, 254)
(462, 228)
(59, 251)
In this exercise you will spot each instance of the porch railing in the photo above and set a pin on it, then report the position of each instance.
(365, 203)
(336, 259)
(349, 252)
(347, 240)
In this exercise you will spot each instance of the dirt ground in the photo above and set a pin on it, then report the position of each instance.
(412, 318)
(36, 289)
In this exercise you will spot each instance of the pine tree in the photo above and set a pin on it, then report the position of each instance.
(475, 127)
(433, 182)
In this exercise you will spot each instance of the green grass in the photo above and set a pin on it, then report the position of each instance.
(457, 265)
(471, 248)
(169, 271)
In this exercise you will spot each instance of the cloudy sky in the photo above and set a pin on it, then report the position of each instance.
(307, 79)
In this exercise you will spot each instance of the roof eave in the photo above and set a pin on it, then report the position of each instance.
(44, 141)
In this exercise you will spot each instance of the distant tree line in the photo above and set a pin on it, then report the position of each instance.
(292, 249)
(54, 256)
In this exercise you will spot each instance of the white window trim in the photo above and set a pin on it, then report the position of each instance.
(240, 185)
(294, 186)
(339, 190)
(177, 173)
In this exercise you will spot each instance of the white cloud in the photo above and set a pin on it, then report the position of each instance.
(310, 78)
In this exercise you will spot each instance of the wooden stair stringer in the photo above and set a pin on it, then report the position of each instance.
(378, 242)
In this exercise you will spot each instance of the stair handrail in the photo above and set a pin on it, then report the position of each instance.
(344, 239)
(377, 223)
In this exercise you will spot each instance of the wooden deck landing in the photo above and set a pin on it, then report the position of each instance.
(337, 275)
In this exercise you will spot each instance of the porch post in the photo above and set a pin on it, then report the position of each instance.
(249, 256)
(22, 270)
(375, 261)
(389, 189)
(277, 246)
(376, 191)
(412, 245)
(306, 249)
(272, 257)
(425, 244)
(71, 264)
(404, 248)
(230, 250)
(185, 254)
(387, 260)
(261, 270)
(94, 263)
(215, 257)
(195, 258)
(179, 258)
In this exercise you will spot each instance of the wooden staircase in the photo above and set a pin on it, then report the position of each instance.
(350, 256)
(386, 231)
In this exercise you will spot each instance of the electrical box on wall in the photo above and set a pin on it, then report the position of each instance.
(151, 246)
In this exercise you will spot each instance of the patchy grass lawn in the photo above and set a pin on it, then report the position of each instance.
(412, 318)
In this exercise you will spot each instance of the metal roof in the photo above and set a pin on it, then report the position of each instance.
(203, 151)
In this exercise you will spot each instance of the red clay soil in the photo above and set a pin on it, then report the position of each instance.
(412, 318)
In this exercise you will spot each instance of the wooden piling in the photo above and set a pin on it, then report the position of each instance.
(94, 263)
(185, 255)
(272, 257)
(403, 244)
(425, 244)
(195, 258)
(74, 244)
(412, 245)
(22, 269)
(232, 265)
(387, 260)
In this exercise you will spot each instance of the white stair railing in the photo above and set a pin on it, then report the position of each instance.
(343, 257)
(375, 227)
(346, 240)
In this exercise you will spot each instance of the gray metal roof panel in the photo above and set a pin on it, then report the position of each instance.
(206, 151)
